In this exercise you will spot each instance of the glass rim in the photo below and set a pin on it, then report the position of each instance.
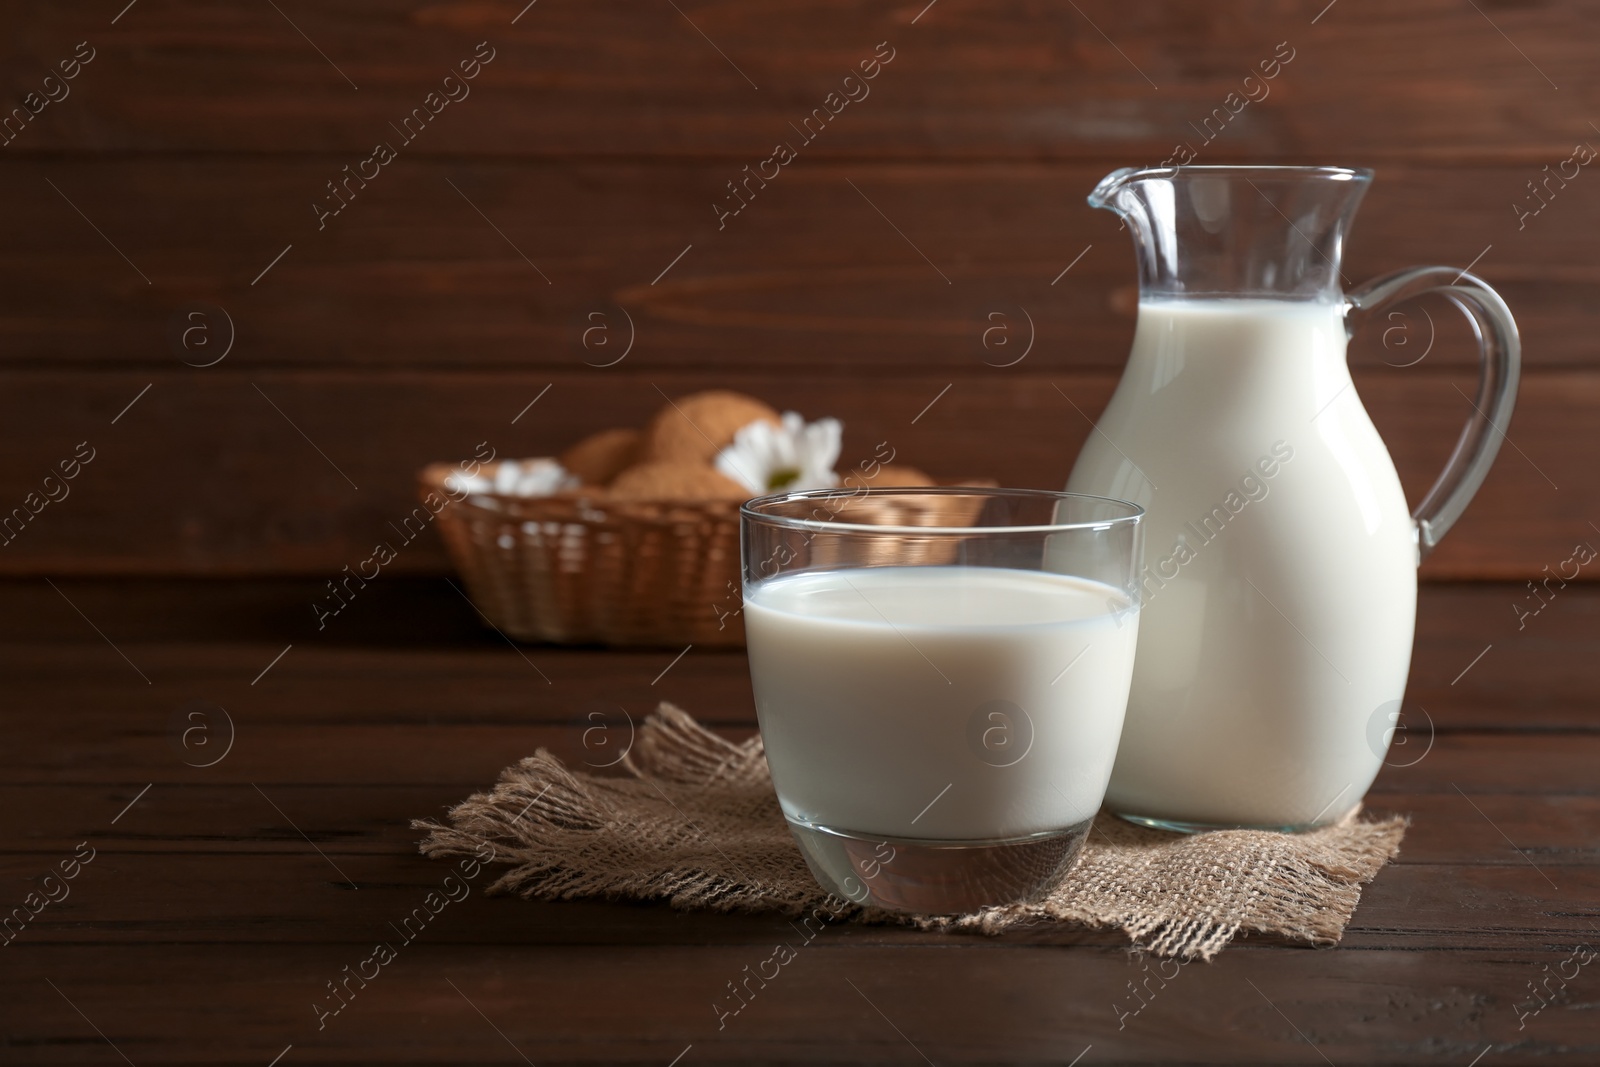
(1127, 175)
(751, 510)
(1101, 195)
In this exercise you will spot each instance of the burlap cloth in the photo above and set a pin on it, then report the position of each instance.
(697, 824)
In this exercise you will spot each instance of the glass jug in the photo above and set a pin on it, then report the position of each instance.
(1279, 591)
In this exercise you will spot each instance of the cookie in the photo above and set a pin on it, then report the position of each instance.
(889, 474)
(600, 457)
(675, 481)
(695, 428)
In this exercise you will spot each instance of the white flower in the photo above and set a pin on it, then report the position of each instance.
(528, 477)
(792, 456)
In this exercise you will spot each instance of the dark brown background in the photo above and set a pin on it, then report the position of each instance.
(409, 330)
(186, 557)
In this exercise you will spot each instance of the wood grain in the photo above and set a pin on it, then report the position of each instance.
(1471, 661)
(296, 896)
(208, 923)
(234, 472)
(1038, 1004)
(1012, 79)
(810, 279)
(201, 816)
(474, 268)
(469, 754)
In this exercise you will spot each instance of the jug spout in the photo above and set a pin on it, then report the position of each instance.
(1107, 195)
(1236, 231)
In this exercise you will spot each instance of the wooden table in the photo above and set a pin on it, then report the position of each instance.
(221, 900)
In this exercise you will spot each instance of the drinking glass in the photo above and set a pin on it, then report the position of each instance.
(940, 677)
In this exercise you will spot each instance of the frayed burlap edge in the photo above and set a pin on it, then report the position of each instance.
(696, 823)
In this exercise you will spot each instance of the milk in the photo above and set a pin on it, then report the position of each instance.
(939, 703)
(1280, 565)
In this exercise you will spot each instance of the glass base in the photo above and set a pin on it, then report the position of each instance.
(1182, 827)
(937, 877)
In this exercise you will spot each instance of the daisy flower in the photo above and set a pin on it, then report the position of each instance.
(793, 455)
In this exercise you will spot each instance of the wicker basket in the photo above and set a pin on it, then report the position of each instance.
(585, 569)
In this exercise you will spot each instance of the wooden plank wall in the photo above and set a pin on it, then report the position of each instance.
(575, 176)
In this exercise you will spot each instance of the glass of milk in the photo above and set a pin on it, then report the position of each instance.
(940, 676)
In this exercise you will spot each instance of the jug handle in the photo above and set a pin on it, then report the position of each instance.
(1500, 366)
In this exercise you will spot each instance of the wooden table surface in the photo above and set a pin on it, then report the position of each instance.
(220, 901)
